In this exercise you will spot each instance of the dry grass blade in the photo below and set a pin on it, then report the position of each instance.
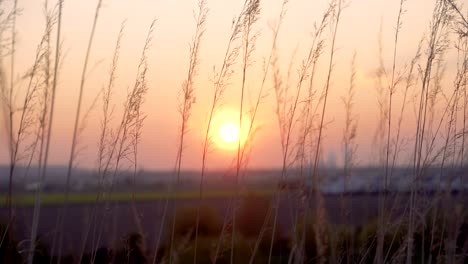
(76, 128)
(46, 143)
(105, 138)
(436, 47)
(128, 132)
(186, 100)
(269, 62)
(251, 16)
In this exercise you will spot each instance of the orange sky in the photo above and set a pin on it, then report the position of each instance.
(168, 58)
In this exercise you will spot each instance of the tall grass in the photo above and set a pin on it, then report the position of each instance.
(186, 101)
(350, 129)
(436, 46)
(74, 143)
(7, 98)
(463, 50)
(46, 139)
(249, 137)
(250, 18)
(27, 135)
(409, 82)
(33, 121)
(349, 148)
(221, 81)
(105, 150)
(128, 132)
(320, 207)
(392, 81)
(286, 109)
(13, 150)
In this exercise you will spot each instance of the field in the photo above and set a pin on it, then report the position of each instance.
(57, 199)
(120, 220)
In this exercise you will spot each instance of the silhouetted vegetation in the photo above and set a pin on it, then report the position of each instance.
(342, 243)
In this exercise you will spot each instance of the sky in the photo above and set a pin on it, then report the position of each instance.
(358, 32)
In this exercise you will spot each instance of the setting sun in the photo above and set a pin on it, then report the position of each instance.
(229, 134)
(227, 131)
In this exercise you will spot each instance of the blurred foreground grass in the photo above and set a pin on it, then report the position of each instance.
(56, 198)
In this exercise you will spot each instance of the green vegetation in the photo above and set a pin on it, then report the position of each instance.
(83, 198)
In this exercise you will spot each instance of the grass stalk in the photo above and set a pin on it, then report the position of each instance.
(286, 119)
(276, 31)
(250, 18)
(350, 149)
(187, 100)
(76, 128)
(37, 204)
(439, 22)
(320, 210)
(391, 90)
(11, 113)
(104, 143)
(220, 84)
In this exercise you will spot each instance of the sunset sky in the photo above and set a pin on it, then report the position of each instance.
(168, 62)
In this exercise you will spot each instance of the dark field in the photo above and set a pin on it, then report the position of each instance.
(119, 219)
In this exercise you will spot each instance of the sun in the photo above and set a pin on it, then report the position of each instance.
(229, 134)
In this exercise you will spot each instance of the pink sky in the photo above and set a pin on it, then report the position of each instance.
(168, 58)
